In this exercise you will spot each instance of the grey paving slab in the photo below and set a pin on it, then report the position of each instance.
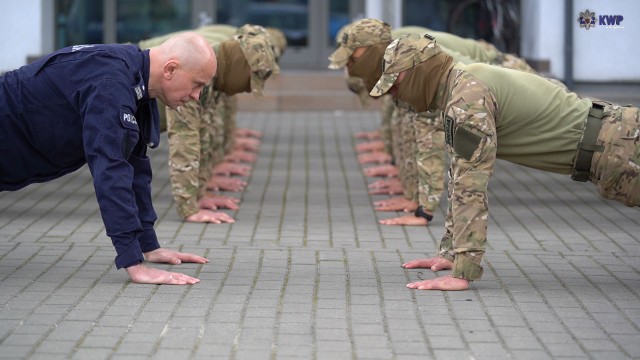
(307, 272)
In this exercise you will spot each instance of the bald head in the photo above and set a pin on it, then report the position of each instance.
(190, 49)
(180, 67)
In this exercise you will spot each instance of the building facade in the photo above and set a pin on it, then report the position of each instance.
(574, 40)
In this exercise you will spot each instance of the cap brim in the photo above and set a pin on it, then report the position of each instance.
(384, 84)
(340, 57)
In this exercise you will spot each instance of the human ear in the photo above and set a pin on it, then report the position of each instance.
(169, 69)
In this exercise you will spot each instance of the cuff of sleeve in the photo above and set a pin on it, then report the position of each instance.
(429, 206)
(465, 268)
(129, 255)
(187, 208)
(148, 240)
(446, 255)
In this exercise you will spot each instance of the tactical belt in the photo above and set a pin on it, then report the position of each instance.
(587, 146)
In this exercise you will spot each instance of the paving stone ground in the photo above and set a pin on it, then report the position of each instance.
(307, 272)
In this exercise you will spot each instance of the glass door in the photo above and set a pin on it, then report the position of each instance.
(310, 26)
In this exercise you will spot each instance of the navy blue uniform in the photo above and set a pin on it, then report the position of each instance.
(86, 104)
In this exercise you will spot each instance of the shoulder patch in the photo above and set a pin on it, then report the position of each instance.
(465, 142)
(128, 120)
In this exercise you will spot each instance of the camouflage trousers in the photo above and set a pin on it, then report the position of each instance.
(218, 113)
(190, 133)
(430, 158)
(616, 170)
(230, 125)
(386, 111)
(396, 134)
(407, 145)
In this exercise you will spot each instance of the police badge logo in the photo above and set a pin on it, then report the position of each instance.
(587, 19)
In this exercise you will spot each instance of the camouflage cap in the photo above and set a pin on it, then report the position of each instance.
(250, 29)
(341, 33)
(404, 53)
(279, 40)
(259, 53)
(365, 32)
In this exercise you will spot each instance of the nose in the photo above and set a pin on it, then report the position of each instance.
(195, 94)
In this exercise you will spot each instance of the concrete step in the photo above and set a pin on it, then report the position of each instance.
(305, 91)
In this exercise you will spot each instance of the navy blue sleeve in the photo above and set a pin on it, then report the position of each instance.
(142, 188)
(110, 135)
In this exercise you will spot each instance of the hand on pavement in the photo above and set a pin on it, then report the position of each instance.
(440, 283)
(434, 263)
(205, 215)
(408, 220)
(214, 202)
(146, 275)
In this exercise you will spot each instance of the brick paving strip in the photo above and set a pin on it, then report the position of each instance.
(306, 272)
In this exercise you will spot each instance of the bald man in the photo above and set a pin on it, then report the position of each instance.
(96, 104)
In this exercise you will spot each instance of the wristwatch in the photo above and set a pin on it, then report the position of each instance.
(421, 213)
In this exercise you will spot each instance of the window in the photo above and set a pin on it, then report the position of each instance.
(83, 21)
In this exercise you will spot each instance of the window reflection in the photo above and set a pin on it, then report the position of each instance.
(82, 21)
(338, 17)
(78, 22)
(291, 17)
(138, 20)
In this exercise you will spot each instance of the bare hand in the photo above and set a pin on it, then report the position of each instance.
(370, 146)
(368, 135)
(435, 264)
(214, 202)
(396, 204)
(383, 184)
(244, 132)
(226, 184)
(228, 168)
(141, 274)
(382, 170)
(215, 217)
(241, 156)
(146, 275)
(391, 190)
(440, 283)
(410, 220)
(374, 157)
(248, 144)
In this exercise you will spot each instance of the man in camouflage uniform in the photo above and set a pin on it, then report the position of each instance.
(539, 124)
(196, 130)
(418, 141)
(422, 135)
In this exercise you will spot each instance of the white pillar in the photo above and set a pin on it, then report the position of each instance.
(389, 11)
(21, 29)
(542, 33)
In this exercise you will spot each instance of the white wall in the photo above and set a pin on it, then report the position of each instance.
(389, 11)
(21, 29)
(604, 54)
(542, 33)
(599, 54)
